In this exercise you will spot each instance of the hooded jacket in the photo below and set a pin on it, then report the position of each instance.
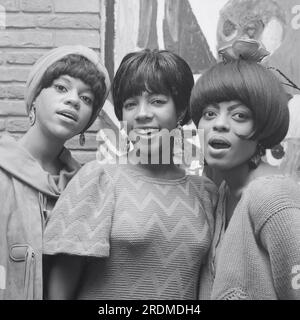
(27, 195)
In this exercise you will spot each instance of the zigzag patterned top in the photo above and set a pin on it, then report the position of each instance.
(152, 234)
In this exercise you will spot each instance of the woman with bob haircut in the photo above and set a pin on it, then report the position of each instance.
(65, 91)
(242, 108)
(136, 230)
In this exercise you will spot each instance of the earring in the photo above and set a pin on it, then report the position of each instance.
(255, 160)
(125, 146)
(178, 144)
(82, 139)
(32, 115)
(179, 134)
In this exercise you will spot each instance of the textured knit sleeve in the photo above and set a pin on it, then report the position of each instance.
(276, 215)
(80, 222)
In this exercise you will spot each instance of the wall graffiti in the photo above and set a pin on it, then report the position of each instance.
(196, 30)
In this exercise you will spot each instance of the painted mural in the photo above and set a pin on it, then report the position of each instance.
(196, 30)
(163, 24)
(275, 24)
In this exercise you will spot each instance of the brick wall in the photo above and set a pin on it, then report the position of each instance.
(33, 27)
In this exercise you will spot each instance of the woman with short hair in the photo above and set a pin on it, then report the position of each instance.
(135, 230)
(242, 108)
(65, 91)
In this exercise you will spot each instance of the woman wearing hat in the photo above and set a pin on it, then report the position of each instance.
(65, 91)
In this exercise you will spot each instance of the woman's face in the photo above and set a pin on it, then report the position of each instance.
(224, 123)
(146, 115)
(65, 108)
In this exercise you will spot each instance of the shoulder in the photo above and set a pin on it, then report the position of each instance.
(9, 150)
(270, 195)
(93, 179)
(266, 188)
(82, 214)
(203, 184)
(94, 171)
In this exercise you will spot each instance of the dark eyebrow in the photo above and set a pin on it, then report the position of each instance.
(236, 105)
(150, 94)
(130, 98)
(64, 77)
(213, 104)
(230, 108)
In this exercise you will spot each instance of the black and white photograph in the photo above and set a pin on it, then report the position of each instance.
(149, 151)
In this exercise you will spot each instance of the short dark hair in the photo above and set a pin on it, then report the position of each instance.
(254, 86)
(79, 67)
(155, 71)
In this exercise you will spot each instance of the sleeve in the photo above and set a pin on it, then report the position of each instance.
(80, 223)
(6, 206)
(276, 216)
(280, 236)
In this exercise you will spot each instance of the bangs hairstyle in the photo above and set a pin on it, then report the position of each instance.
(153, 71)
(77, 66)
(255, 87)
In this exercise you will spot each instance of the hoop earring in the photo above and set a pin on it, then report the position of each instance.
(180, 130)
(178, 148)
(125, 146)
(255, 160)
(82, 139)
(32, 115)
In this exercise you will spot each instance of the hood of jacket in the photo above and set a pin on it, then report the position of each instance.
(18, 162)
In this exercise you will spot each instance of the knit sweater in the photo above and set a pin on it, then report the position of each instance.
(151, 234)
(258, 256)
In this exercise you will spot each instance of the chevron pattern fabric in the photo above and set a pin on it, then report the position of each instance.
(152, 234)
